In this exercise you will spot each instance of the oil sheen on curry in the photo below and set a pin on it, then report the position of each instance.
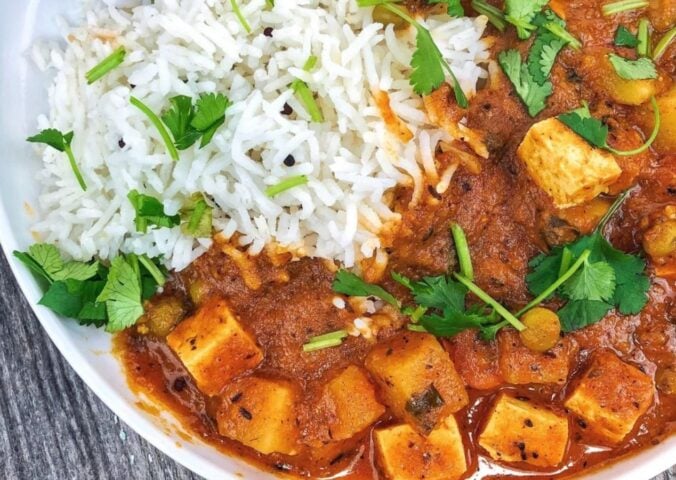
(519, 323)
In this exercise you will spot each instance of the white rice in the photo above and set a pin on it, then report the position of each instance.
(188, 47)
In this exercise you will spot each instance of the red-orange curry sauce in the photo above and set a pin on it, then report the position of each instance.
(624, 366)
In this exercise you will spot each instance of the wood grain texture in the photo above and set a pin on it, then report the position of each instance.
(51, 425)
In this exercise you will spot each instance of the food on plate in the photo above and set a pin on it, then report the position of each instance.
(373, 238)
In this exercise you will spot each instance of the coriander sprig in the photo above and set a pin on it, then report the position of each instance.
(428, 63)
(320, 342)
(155, 120)
(61, 142)
(623, 6)
(286, 184)
(494, 14)
(663, 44)
(595, 132)
(305, 95)
(109, 63)
(240, 16)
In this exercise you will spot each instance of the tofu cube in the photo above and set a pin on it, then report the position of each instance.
(261, 414)
(214, 347)
(520, 431)
(417, 379)
(351, 400)
(564, 165)
(404, 454)
(611, 396)
(520, 365)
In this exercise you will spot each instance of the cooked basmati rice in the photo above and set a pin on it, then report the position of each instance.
(186, 47)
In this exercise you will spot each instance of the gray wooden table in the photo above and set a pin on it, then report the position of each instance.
(51, 425)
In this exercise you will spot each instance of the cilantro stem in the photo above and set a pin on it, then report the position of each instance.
(643, 36)
(416, 328)
(112, 61)
(285, 185)
(240, 17)
(462, 249)
(560, 281)
(495, 16)
(651, 138)
(332, 339)
(662, 45)
(74, 167)
(611, 211)
(623, 6)
(155, 120)
(566, 258)
(305, 95)
(152, 269)
(502, 311)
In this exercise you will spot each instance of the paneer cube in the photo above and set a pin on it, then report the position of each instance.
(351, 400)
(520, 365)
(404, 454)
(520, 431)
(611, 396)
(261, 414)
(214, 347)
(417, 379)
(564, 165)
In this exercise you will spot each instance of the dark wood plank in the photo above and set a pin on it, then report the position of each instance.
(51, 425)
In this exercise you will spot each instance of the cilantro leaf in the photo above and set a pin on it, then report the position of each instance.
(428, 73)
(122, 296)
(581, 122)
(594, 281)
(578, 314)
(150, 211)
(624, 38)
(532, 94)
(45, 260)
(210, 110)
(61, 142)
(639, 69)
(453, 7)
(178, 118)
(451, 322)
(520, 13)
(439, 292)
(350, 284)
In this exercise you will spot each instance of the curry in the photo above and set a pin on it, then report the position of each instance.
(222, 347)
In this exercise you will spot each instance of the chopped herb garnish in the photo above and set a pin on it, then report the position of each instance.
(109, 63)
(462, 249)
(520, 13)
(595, 131)
(494, 14)
(453, 7)
(643, 37)
(61, 142)
(639, 69)
(623, 6)
(188, 123)
(563, 34)
(607, 278)
(155, 120)
(320, 342)
(240, 16)
(663, 44)
(350, 284)
(150, 211)
(427, 62)
(624, 38)
(270, 3)
(533, 94)
(198, 218)
(286, 184)
(305, 95)
(92, 293)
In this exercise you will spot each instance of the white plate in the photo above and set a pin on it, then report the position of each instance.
(22, 97)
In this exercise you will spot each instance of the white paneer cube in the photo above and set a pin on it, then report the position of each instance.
(520, 431)
(261, 414)
(611, 396)
(214, 347)
(564, 165)
(404, 454)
